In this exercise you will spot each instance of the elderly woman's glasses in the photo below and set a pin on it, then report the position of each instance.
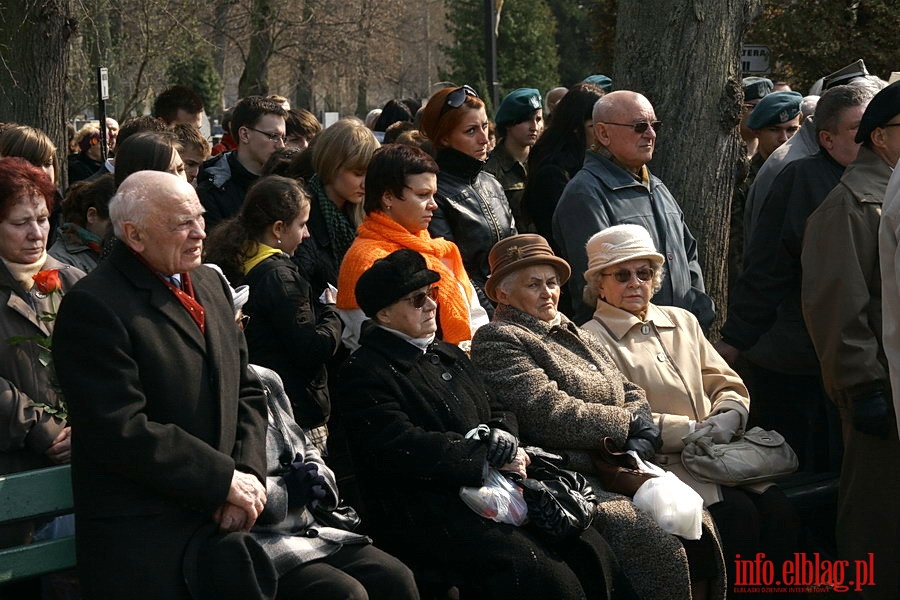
(625, 275)
(640, 126)
(457, 98)
(418, 299)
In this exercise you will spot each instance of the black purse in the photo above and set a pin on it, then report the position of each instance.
(561, 503)
(343, 517)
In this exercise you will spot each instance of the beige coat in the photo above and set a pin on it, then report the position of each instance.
(685, 379)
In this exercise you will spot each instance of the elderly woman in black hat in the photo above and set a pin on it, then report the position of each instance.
(408, 401)
(568, 395)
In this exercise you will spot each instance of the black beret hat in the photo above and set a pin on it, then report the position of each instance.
(390, 278)
(756, 87)
(774, 109)
(517, 106)
(883, 107)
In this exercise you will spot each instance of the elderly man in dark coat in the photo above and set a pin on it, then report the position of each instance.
(171, 424)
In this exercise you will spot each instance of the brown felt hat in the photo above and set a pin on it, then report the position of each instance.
(520, 251)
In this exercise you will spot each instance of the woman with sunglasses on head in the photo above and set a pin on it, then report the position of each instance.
(472, 208)
(401, 182)
(567, 396)
(290, 331)
(688, 385)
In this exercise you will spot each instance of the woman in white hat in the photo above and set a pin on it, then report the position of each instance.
(688, 384)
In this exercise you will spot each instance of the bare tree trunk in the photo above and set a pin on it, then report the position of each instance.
(255, 78)
(684, 56)
(220, 46)
(34, 58)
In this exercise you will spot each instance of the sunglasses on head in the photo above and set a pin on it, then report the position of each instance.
(418, 299)
(457, 98)
(624, 275)
(640, 126)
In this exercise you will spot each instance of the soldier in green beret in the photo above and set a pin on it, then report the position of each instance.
(520, 120)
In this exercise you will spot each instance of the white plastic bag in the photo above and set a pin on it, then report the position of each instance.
(498, 499)
(674, 506)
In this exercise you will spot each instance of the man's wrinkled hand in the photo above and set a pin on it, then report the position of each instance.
(232, 518)
(247, 493)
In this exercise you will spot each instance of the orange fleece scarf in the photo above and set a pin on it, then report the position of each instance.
(378, 236)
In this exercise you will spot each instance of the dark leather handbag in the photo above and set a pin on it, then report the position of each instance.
(343, 517)
(617, 470)
(561, 503)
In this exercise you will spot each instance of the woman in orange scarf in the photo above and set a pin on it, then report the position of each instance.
(400, 185)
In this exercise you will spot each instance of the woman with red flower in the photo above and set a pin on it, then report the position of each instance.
(32, 432)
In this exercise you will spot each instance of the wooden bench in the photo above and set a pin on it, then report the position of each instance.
(28, 495)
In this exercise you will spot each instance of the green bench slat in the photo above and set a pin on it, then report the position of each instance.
(33, 493)
(36, 559)
(29, 495)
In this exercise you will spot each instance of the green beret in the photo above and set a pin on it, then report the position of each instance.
(774, 109)
(756, 87)
(883, 107)
(601, 81)
(518, 106)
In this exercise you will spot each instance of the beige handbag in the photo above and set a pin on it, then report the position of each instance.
(756, 456)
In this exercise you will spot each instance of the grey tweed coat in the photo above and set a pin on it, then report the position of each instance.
(567, 394)
(283, 532)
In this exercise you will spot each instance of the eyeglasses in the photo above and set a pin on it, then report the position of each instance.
(418, 299)
(890, 125)
(457, 98)
(624, 275)
(273, 137)
(242, 320)
(640, 126)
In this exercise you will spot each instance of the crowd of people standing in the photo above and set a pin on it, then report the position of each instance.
(233, 324)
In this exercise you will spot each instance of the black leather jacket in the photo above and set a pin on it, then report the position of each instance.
(472, 212)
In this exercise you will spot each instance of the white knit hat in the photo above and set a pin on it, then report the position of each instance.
(618, 244)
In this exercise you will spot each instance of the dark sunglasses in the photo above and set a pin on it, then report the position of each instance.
(624, 275)
(457, 98)
(418, 299)
(640, 126)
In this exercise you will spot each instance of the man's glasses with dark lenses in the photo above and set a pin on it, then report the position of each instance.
(640, 126)
(625, 275)
(457, 98)
(418, 299)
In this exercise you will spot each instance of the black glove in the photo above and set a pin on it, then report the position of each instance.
(871, 414)
(643, 437)
(502, 446)
(303, 482)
